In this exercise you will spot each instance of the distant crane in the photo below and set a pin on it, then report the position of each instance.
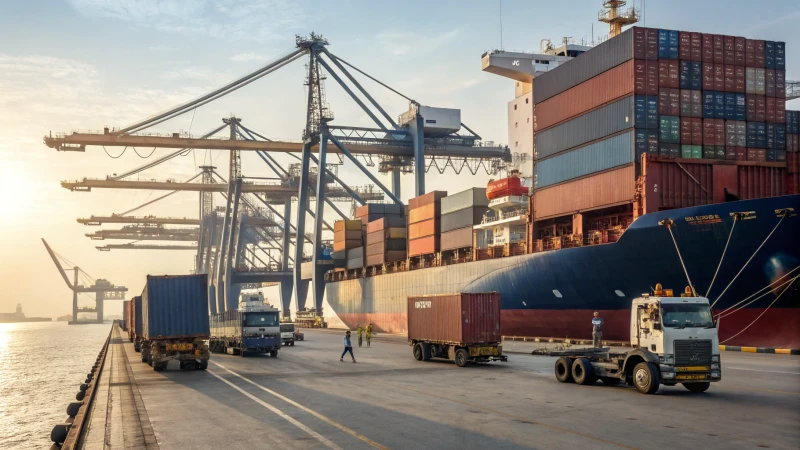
(103, 289)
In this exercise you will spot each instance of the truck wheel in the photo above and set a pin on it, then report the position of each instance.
(159, 367)
(273, 353)
(203, 365)
(144, 357)
(583, 372)
(417, 352)
(646, 378)
(564, 370)
(697, 387)
(610, 381)
(426, 352)
(462, 357)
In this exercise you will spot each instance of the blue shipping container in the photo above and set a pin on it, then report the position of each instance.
(646, 111)
(673, 44)
(719, 105)
(741, 107)
(761, 135)
(780, 136)
(137, 312)
(780, 55)
(606, 154)
(752, 134)
(696, 75)
(663, 44)
(708, 104)
(771, 136)
(175, 306)
(646, 142)
(769, 54)
(730, 106)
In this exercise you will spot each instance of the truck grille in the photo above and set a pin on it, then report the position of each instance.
(692, 352)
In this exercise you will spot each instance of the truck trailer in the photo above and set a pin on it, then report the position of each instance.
(674, 340)
(125, 315)
(135, 327)
(175, 321)
(461, 327)
(253, 328)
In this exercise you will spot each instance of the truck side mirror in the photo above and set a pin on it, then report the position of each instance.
(656, 325)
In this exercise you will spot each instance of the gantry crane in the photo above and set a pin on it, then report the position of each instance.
(103, 289)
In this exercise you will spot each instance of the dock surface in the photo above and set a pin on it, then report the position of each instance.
(305, 398)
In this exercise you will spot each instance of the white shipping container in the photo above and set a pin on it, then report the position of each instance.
(464, 199)
(437, 121)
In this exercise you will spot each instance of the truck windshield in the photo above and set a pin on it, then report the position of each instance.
(683, 315)
(287, 327)
(261, 319)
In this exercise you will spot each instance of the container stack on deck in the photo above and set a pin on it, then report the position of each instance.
(459, 213)
(424, 223)
(348, 243)
(714, 102)
(792, 152)
(386, 240)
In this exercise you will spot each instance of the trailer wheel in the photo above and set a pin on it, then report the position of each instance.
(417, 350)
(583, 372)
(646, 378)
(203, 365)
(462, 357)
(697, 387)
(273, 353)
(426, 352)
(563, 369)
(144, 357)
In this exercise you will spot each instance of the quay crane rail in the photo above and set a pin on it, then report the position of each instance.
(102, 288)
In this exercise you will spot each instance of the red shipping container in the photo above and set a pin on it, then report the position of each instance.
(770, 112)
(736, 153)
(719, 77)
(663, 102)
(639, 47)
(425, 228)
(674, 73)
(730, 153)
(729, 74)
(645, 77)
(756, 154)
(709, 132)
(780, 110)
(760, 57)
(780, 84)
(791, 162)
(651, 47)
(750, 53)
(760, 182)
(728, 49)
(455, 318)
(663, 73)
(719, 49)
(792, 183)
(769, 85)
(739, 51)
(675, 102)
(719, 132)
(429, 211)
(697, 47)
(708, 76)
(423, 246)
(739, 79)
(708, 48)
(426, 199)
(686, 130)
(761, 108)
(684, 45)
(750, 107)
(697, 131)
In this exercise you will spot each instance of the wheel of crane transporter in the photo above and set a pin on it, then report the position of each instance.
(697, 387)
(563, 370)
(417, 351)
(646, 378)
(462, 357)
(273, 353)
(583, 372)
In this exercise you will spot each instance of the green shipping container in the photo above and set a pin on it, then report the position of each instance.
(686, 151)
(669, 129)
(697, 151)
(675, 130)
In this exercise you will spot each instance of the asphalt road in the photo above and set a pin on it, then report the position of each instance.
(306, 398)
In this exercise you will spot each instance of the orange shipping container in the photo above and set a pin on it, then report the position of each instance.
(603, 189)
(340, 225)
(425, 228)
(343, 235)
(386, 222)
(455, 318)
(423, 246)
(345, 245)
(426, 199)
(429, 211)
(604, 88)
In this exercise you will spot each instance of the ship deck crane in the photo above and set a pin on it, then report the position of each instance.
(102, 288)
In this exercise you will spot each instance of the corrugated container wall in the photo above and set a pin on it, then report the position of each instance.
(126, 314)
(606, 154)
(458, 318)
(597, 91)
(606, 188)
(591, 126)
(464, 199)
(175, 306)
(137, 315)
(610, 53)
(463, 218)
(459, 238)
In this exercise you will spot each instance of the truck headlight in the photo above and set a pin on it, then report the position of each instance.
(715, 358)
(715, 375)
(667, 359)
(668, 375)
(715, 366)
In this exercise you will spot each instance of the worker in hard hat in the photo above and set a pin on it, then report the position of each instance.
(360, 330)
(369, 333)
(597, 330)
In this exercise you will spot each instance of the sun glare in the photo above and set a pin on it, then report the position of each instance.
(17, 189)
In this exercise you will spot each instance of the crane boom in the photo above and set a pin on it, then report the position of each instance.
(58, 265)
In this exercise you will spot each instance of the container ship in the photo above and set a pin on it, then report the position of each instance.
(659, 156)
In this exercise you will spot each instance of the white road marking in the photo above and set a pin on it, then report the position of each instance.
(759, 370)
(308, 410)
(280, 413)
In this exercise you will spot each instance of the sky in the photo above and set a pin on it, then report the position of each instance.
(86, 64)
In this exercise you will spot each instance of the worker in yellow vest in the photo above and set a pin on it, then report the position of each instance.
(360, 334)
(369, 333)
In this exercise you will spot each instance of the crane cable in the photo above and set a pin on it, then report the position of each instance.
(735, 219)
(144, 157)
(114, 157)
(759, 316)
(748, 261)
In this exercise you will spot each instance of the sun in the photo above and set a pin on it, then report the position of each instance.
(15, 181)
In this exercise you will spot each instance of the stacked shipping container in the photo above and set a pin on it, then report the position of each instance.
(793, 152)
(386, 240)
(347, 240)
(424, 223)
(676, 95)
(459, 213)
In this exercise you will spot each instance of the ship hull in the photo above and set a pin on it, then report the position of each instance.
(553, 294)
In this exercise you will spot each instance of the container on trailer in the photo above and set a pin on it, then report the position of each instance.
(470, 198)
(175, 307)
(455, 318)
(125, 316)
(463, 218)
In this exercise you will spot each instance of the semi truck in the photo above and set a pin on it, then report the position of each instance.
(175, 321)
(135, 327)
(674, 340)
(253, 328)
(461, 327)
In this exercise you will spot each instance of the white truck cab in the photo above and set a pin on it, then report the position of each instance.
(259, 318)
